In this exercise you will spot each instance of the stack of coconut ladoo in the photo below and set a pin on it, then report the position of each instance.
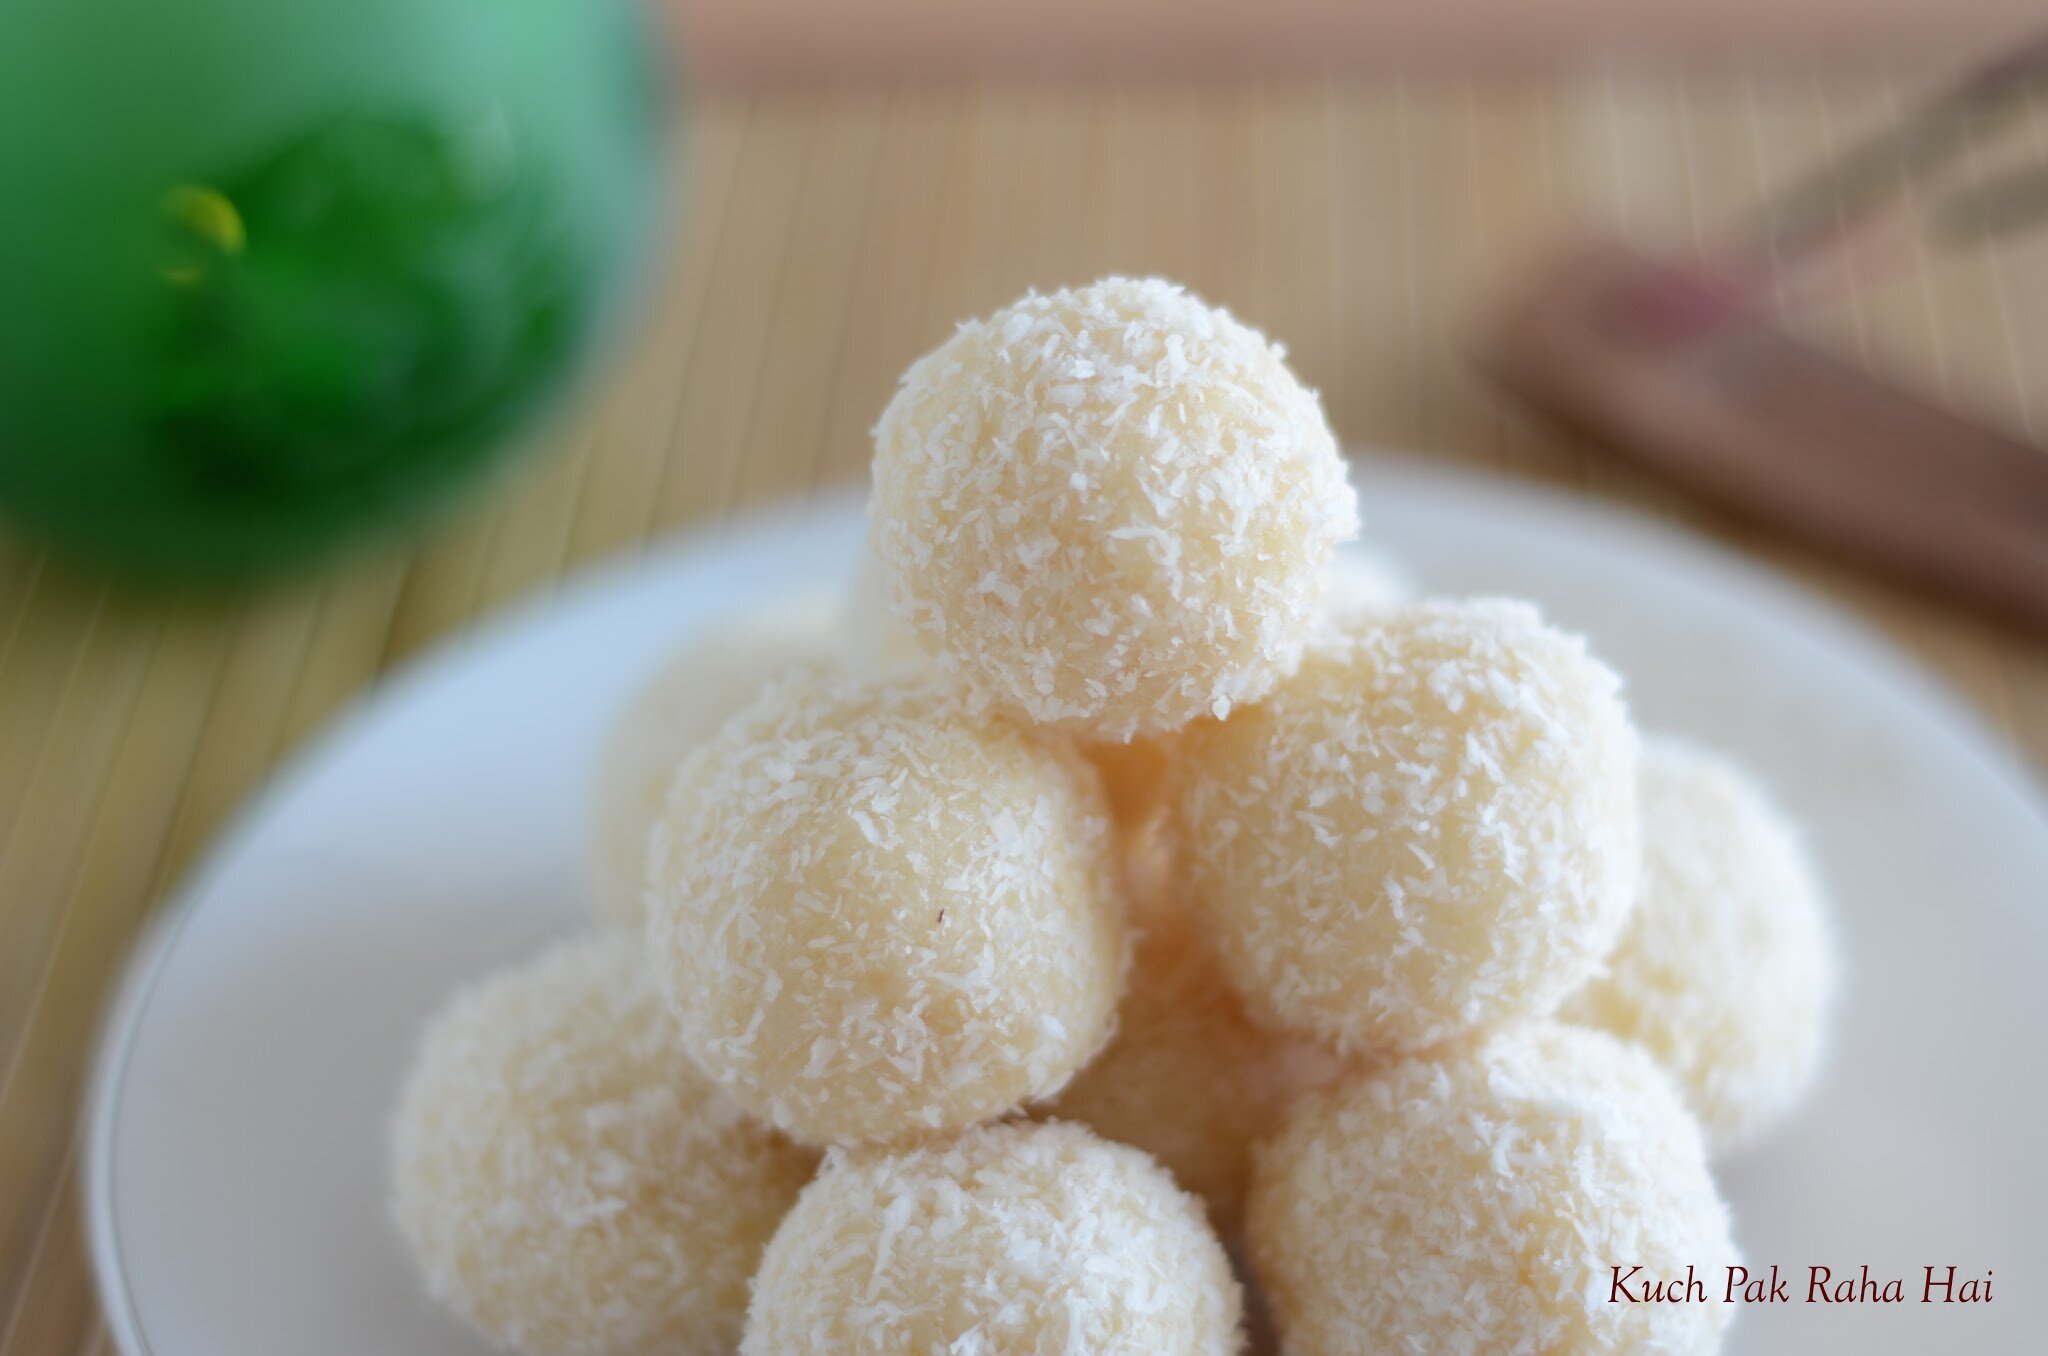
(1128, 878)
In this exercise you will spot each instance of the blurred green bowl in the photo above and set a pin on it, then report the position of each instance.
(274, 273)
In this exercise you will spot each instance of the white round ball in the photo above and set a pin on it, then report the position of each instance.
(1430, 828)
(1108, 509)
(720, 670)
(1011, 1240)
(876, 916)
(1726, 973)
(567, 1181)
(1474, 1203)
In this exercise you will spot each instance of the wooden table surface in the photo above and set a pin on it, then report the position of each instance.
(827, 240)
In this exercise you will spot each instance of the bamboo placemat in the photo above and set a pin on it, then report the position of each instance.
(827, 240)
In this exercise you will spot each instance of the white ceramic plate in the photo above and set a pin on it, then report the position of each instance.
(236, 1182)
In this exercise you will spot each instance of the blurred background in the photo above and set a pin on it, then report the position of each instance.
(326, 328)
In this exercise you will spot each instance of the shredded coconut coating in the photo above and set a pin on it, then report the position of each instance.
(1362, 584)
(1188, 1077)
(717, 672)
(1134, 772)
(1726, 972)
(876, 916)
(567, 1181)
(1109, 509)
(1473, 1205)
(1431, 828)
(1011, 1240)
